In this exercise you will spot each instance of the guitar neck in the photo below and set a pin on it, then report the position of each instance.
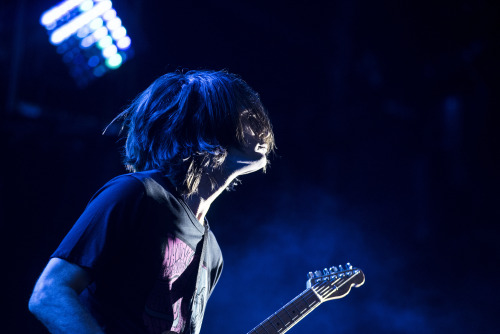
(289, 315)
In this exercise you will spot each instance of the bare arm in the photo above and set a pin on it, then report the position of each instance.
(55, 299)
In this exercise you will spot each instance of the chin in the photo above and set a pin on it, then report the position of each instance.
(254, 166)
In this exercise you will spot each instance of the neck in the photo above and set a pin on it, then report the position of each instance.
(199, 206)
(200, 202)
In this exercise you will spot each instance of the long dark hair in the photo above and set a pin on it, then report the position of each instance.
(184, 122)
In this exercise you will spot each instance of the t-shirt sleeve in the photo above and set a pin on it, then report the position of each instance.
(105, 225)
(217, 262)
(215, 274)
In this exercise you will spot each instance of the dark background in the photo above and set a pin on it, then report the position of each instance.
(386, 120)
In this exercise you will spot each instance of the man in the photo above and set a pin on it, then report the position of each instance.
(131, 263)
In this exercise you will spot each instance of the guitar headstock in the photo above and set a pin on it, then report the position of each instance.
(335, 282)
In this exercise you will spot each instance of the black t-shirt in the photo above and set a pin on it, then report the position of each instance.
(141, 244)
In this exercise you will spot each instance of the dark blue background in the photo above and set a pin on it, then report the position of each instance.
(386, 121)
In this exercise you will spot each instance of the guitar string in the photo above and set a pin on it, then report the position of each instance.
(306, 295)
(344, 280)
(347, 280)
(327, 286)
(292, 302)
(322, 287)
(262, 327)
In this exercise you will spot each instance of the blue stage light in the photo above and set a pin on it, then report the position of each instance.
(96, 24)
(87, 42)
(93, 27)
(114, 61)
(100, 33)
(86, 5)
(93, 61)
(68, 57)
(123, 43)
(83, 32)
(99, 71)
(119, 33)
(104, 42)
(61, 49)
(109, 51)
(109, 15)
(114, 23)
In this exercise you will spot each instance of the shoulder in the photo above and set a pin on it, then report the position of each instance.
(149, 189)
(121, 187)
(156, 185)
(135, 183)
(124, 182)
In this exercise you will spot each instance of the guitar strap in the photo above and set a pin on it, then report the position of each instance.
(198, 277)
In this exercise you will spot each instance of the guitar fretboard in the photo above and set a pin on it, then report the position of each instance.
(286, 317)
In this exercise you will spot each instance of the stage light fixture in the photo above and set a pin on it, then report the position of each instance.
(90, 37)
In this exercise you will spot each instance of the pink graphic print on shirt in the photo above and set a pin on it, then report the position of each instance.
(167, 307)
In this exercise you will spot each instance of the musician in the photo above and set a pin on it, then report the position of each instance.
(131, 263)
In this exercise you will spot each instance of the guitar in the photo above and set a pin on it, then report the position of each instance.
(333, 283)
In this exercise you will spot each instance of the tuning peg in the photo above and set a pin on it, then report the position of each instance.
(326, 272)
(310, 274)
(348, 266)
(333, 269)
(318, 273)
(340, 267)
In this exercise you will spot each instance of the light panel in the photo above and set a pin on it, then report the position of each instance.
(90, 37)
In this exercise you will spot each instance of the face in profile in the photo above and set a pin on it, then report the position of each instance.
(250, 156)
